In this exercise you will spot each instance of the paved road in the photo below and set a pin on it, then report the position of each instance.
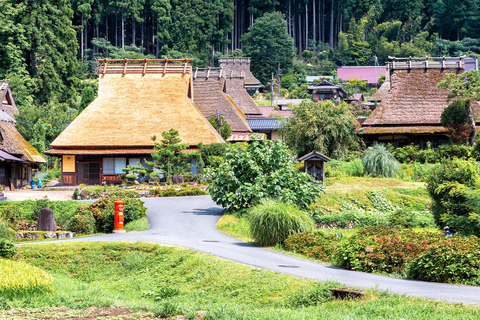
(190, 222)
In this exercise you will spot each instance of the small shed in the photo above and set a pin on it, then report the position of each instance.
(315, 164)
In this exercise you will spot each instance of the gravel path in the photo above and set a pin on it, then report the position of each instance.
(190, 222)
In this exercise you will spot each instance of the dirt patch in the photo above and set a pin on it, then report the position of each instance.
(29, 194)
(63, 313)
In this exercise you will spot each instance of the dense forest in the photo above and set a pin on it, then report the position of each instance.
(49, 49)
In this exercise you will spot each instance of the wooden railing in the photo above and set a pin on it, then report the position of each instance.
(144, 66)
(426, 63)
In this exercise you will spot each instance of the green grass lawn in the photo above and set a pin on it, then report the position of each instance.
(169, 281)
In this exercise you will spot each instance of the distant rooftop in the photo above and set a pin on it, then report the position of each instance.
(371, 74)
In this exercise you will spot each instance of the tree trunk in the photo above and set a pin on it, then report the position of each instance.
(289, 18)
(123, 30)
(116, 30)
(134, 30)
(332, 25)
(81, 40)
(473, 133)
(322, 23)
(142, 36)
(300, 31)
(314, 30)
(86, 34)
(306, 25)
(106, 27)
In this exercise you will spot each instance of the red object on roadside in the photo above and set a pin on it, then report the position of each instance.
(119, 217)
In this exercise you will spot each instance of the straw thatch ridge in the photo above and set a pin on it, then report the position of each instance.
(239, 67)
(382, 92)
(414, 99)
(14, 143)
(210, 99)
(132, 108)
(6, 99)
(236, 90)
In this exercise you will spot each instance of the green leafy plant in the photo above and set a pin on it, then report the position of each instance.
(271, 222)
(6, 232)
(7, 249)
(83, 222)
(309, 244)
(262, 170)
(455, 260)
(378, 161)
(11, 214)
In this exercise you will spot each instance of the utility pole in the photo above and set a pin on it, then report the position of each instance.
(278, 79)
(271, 91)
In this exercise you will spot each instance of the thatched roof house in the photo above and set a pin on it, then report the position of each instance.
(241, 84)
(137, 99)
(326, 90)
(410, 111)
(17, 156)
(209, 87)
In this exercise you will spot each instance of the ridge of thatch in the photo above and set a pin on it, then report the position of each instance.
(414, 98)
(381, 93)
(236, 90)
(239, 67)
(7, 102)
(133, 107)
(13, 142)
(211, 99)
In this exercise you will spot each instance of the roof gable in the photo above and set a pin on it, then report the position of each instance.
(314, 155)
(132, 107)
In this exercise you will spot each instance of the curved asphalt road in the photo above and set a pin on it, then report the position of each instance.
(190, 222)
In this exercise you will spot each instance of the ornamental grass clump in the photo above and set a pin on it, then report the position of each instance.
(18, 278)
(272, 222)
(379, 161)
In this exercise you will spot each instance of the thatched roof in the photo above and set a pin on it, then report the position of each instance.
(236, 90)
(414, 98)
(239, 67)
(381, 93)
(209, 96)
(6, 99)
(135, 104)
(13, 143)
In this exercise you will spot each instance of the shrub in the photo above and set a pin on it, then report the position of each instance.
(7, 249)
(378, 161)
(103, 211)
(262, 170)
(83, 222)
(271, 222)
(455, 260)
(317, 295)
(383, 249)
(17, 278)
(456, 201)
(6, 232)
(309, 244)
(11, 214)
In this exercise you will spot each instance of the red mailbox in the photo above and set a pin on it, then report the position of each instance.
(119, 217)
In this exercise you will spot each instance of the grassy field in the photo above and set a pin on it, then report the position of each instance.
(168, 281)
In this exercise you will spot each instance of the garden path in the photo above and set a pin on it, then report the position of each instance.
(190, 222)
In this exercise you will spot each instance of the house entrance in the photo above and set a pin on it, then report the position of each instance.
(88, 173)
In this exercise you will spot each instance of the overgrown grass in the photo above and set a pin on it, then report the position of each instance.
(19, 278)
(141, 224)
(169, 281)
(235, 226)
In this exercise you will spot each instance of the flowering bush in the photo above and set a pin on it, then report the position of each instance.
(310, 244)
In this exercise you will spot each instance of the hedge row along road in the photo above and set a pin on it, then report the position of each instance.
(190, 222)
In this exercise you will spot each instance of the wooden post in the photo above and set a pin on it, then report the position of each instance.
(145, 67)
(323, 172)
(165, 66)
(305, 165)
(125, 66)
(105, 66)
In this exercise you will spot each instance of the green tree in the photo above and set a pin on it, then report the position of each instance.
(268, 44)
(225, 128)
(464, 86)
(455, 119)
(169, 156)
(323, 126)
(261, 170)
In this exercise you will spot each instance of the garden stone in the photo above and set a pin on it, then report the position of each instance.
(176, 179)
(46, 220)
(32, 235)
(65, 235)
(49, 235)
(19, 235)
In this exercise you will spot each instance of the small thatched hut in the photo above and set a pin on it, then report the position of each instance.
(241, 84)
(17, 156)
(209, 87)
(411, 109)
(137, 99)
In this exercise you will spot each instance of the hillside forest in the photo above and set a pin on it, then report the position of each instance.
(49, 49)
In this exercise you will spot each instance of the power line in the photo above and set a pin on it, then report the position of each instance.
(38, 125)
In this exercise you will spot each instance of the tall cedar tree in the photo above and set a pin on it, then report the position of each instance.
(268, 44)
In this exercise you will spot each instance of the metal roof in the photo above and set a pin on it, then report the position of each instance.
(264, 123)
